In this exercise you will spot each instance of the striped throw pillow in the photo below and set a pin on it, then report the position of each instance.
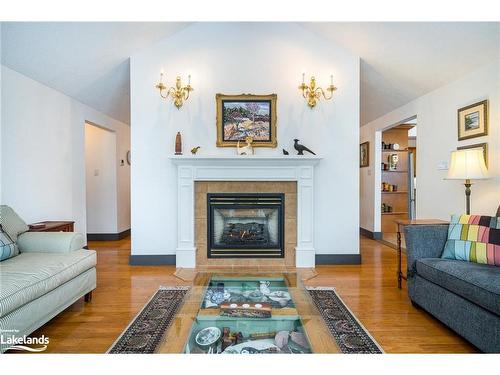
(8, 248)
(474, 238)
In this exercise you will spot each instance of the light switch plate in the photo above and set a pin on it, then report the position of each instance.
(442, 165)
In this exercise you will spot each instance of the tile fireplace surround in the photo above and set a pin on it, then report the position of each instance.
(202, 188)
(292, 175)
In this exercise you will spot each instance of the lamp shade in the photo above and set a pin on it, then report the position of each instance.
(467, 165)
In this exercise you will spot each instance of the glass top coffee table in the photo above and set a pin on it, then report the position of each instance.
(254, 313)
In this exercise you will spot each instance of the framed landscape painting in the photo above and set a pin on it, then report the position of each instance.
(473, 121)
(246, 115)
(364, 154)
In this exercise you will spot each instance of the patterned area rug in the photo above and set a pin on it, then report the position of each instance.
(144, 333)
(349, 333)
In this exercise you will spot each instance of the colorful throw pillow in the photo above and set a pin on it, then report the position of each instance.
(8, 248)
(474, 238)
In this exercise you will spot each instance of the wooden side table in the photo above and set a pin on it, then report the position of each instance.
(52, 226)
(401, 224)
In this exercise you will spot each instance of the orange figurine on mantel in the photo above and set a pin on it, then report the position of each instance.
(178, 144)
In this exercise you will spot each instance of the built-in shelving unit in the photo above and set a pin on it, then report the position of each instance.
(397, 200)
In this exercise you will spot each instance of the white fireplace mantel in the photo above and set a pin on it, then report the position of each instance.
(245, 168)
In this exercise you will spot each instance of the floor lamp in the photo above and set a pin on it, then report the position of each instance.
(467, 165)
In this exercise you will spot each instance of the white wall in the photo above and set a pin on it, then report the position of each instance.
(101, 170)
(437, 137)
(43, 163)
(232, 59)
(0, 113)
(122, 177)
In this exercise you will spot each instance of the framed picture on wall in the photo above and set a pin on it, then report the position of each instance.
(483, 146)
(473, 120)
(364, 154)
(246, 115)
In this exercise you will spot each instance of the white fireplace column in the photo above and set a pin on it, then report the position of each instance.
(185, 253)
(251, 168)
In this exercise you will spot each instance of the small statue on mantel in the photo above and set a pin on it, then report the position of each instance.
(245, 150)
(178, 144)
(194, 150)
(301, 148)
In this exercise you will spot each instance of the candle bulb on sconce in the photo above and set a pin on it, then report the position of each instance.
(162, 72)
(178, 93)
(160, 86)
(312, 93)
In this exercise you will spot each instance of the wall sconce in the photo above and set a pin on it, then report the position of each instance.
(178, 93)
(312, 93)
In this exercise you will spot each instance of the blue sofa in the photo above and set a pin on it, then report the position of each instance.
(463, 295)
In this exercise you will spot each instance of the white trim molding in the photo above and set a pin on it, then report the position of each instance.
(245, 168)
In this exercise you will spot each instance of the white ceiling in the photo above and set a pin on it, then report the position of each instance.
(399, 61)
(88, 61)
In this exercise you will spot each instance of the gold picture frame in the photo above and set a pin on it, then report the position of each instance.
(364, 154)
(246, 115)
(483, 146)
(473, 121)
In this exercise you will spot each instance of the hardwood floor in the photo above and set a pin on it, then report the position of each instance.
(369, 290)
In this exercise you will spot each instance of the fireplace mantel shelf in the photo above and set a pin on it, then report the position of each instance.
(296, 159)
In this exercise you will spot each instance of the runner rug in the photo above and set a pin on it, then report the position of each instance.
(348, 332)
(143, 335)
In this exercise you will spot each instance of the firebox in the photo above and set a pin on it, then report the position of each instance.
(249, 225)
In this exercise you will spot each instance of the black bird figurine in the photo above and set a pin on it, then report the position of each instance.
(285, 152)
(301, 148)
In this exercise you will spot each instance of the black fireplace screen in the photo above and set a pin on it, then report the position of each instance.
(245, 225)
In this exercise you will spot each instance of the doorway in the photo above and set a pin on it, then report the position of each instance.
(100, 180)
(398, 177)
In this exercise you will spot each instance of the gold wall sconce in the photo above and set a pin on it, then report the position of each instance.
(178, 93)
(312, 93)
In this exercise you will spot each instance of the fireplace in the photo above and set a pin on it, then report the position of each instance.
(199, 175)
(247, 225)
